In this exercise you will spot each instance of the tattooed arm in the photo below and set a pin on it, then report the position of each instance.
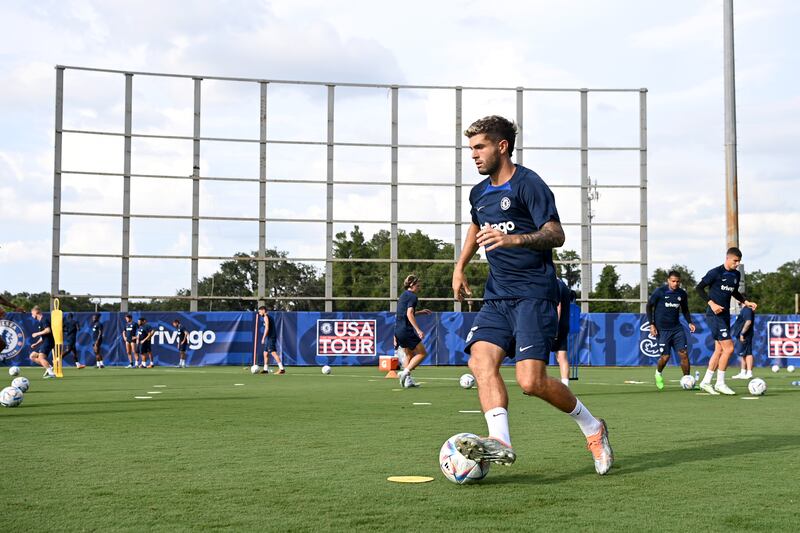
(550, 235)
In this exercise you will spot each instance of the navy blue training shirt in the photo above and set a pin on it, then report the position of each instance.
(97, 330)
(181, 339)
(667, 306)
(721, 285)
(744, 316)
(70, 331)
(129, 330)
(42, 325)
(262, 324)
(142, 331)
(521, 205)
(407, 300)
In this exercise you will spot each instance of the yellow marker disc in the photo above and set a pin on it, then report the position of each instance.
(409, 479)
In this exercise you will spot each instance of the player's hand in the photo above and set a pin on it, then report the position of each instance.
(715, 307)
(420, 334)
(424, 312)
(751, 305)
(461, 288)
(492, 238)
(741, 338)
(653, 330)
(692, 328)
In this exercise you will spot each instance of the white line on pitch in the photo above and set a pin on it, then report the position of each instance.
(469, 411)
(422, 403)
(143, 397)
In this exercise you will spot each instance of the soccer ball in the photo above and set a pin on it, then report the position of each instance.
(255, 369)
(775, 368)
(13, 371)
(21, 383)
(790, 368)
(456, 467)
(10, 397)
(326, 370)
(467, 381)
(757, 387)
(687, 382)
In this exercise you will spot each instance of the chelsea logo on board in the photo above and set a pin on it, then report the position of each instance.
(14, 337)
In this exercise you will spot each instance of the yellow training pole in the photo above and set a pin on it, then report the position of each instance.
(57, 325)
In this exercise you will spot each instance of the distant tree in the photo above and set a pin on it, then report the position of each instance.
(571, 272)
(608, 287)
(774, 291)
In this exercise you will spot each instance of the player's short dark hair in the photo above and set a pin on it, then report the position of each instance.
(128, 316)
(142, 319)
(96, 315)
(734, 251)
(70, 315)
(410, 280)
(176, 321)
(260, 307)
(674, 273)
(495, 127)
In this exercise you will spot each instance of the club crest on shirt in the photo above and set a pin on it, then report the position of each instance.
(505, 203)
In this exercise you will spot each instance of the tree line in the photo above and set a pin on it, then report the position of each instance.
(287, 280)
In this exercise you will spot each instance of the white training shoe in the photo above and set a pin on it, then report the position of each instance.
(486, 449)
(129, 366)
(48, 374)
(724, 389)
(740, 375)
(402, 376)
(748, 375)
(410, 383)
(708, 388)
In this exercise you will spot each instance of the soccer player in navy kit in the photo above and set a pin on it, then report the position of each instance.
(144, 343)
(407, 332)
(97, 339)
(514, 217)
(664, 308)
(182, 341)
(41, 349)
(742, 331)
(269, 340)
(128, 336)
(70, 329)
(722, 283)
(565, 298)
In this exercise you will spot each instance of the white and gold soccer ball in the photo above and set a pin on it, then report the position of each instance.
(687, 382)
(10, 397)
(13, 371)
(21, 383)
(757, 386)
(467, 381)
(255, 369)
(326, 370)
(457, 468)
(775, 368)
(790, 368)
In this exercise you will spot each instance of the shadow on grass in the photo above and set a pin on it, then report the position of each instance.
(642, 462)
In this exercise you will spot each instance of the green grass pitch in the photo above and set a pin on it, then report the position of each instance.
(308, 452)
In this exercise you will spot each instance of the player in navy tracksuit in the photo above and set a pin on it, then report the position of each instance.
(722, 283)
(128, 339)
(268, 336)
(70, 327)
(742, 331)
(565, 298)
(144, 342)
(514, 217)
(182, 341)
(664, 308)
(407, 332)
(41, 349)
(97, 339)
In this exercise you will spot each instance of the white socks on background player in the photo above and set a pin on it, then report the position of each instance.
(497, 420)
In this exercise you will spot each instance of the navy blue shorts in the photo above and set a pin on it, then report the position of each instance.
(182, 346)
(744, 348)
(525, 328)
(270, 345)
(144, 347)
(671, 338)
(407, 339)
(69, 345)
(719, 326)
(46, 347)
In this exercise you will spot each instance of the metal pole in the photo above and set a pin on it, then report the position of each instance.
(586, 250)
(643, 289)
(393, 243)
(329, 208)
(126, 196)
(59, 123)
(262, 197)
(458, 176)
(731, 185)
(518, 144)
(195, 194)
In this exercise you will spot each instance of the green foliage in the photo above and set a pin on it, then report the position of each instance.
(607, 287)
(774, 292)
(570, 273)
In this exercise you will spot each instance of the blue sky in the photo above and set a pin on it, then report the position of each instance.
(675, 50)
